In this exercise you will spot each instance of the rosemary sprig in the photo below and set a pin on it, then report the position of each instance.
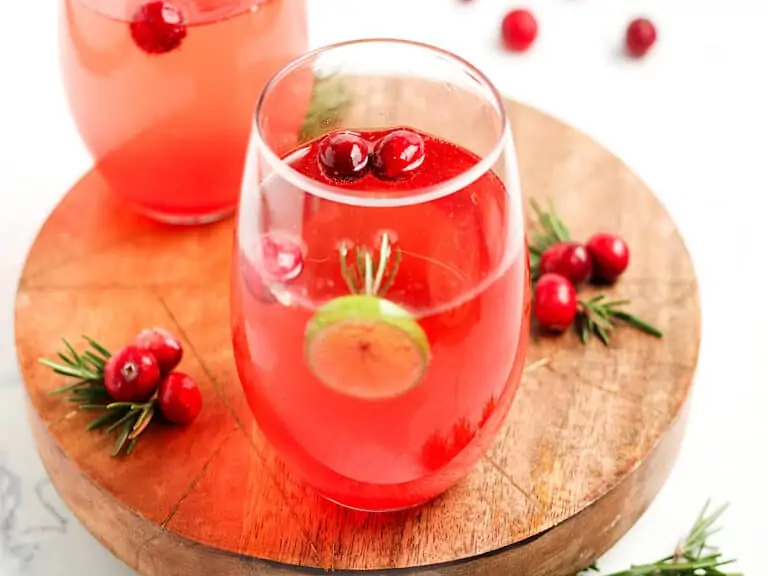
(598, 316)
(550, 230)
(370, 274)
(694, 556)
(329, 98)
(88, 392)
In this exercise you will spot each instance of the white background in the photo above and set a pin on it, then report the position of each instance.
(691, 119)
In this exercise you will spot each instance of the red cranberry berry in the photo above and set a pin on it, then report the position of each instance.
(163, 344)
(158, 27)
(610, 256)
(554, 302)
(344, 155)
(131, 375)
(398, 154)
(282, 260)
(519, 29)
(569, 259)
(179, 398)
(283, 257)
(640, 36)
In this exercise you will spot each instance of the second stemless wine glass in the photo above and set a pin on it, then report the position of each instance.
(380, 290)
(162, 93)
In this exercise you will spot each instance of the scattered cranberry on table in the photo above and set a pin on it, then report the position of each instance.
(569, 259)
(179, 398)
(158, 27)
(163, 344)
(554, 302)
(519, 29)
(640, 37)
(130, 386)
(610, 256)
(131, 375)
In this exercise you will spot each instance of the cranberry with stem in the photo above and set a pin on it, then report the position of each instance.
(569, 259)
(163, 344)
(398, 154)
(640, 37)
(519, 29)
(131, 375)
(344, 156)
(179, 398)
(554, 302)
(610, 256)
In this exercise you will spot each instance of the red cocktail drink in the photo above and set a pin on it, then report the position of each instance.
(380, 306)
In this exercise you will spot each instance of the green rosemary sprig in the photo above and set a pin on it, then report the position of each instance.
(598, 317)
(694, 556)
(370, 274)
(549, 231)
(88, 392)
(330, 96)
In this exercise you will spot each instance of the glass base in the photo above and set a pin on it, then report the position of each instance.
(187, 220)
(369, 511)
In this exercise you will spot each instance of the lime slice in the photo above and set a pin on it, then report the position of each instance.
(366, 347)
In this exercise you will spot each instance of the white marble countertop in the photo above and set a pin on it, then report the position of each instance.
(691, 119)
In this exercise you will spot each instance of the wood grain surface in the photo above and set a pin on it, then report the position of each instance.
(589, 441)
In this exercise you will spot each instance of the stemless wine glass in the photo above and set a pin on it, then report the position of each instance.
(162, 92)
(380, 292)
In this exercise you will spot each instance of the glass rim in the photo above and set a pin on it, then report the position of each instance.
(416, 196)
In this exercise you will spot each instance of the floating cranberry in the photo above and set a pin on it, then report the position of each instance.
(640, 37)
(179, 398)
(569, 259)
(158, 27)
(398, 154)
(610, 256)
(344, 155)
(281, 261)
(131, 375)
(519, 29)
(283, 257)
(554, 302)
(163, 344)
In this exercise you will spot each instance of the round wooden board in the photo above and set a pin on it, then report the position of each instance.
(589, 441)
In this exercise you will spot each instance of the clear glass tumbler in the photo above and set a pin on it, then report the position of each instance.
(380, 289)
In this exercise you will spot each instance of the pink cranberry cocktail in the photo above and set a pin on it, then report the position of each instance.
(380, 290)
(162, 93)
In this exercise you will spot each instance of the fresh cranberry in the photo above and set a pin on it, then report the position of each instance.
(131, 375)
(163, 344)
(283, 257)
(641, 35)
(398, 154)
(344, 155)
(281, 261)
(554, 302)
(519, 29)
(158, 27)
(179, 398)
(569, 259)
(610, 256)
